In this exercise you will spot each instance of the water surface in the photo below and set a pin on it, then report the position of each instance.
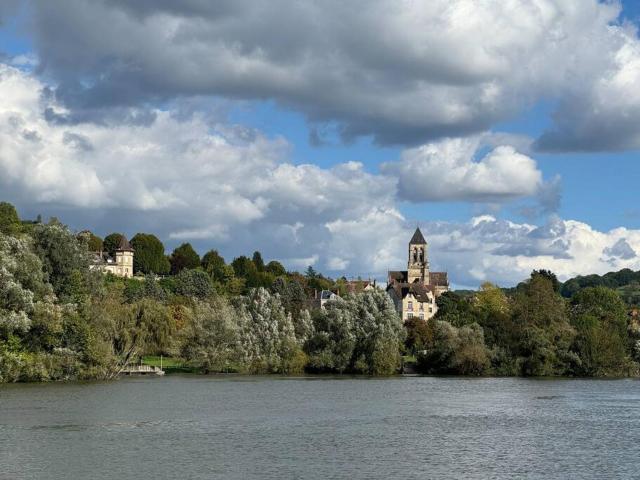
(197, 427)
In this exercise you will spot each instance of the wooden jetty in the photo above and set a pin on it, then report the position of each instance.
(142, 370)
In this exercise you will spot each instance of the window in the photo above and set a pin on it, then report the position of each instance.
(410, 315)
(421, 306)
(430, 310)
(410, 306)
(422, 316)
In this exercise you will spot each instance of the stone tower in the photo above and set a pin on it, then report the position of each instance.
(124, 258)
(418, 265)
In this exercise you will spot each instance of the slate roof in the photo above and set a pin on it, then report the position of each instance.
(398, 276)
(418, 238)
(418, 290)
(124, 245)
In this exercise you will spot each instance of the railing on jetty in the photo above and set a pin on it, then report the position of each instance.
(142, 370)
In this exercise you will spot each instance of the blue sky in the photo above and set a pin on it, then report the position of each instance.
(496, 128)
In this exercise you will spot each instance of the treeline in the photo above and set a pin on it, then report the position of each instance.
(626, 282)
(60, 319)
(236, 278)
(534, 330)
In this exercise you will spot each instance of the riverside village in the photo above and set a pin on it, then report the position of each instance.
(414, 291)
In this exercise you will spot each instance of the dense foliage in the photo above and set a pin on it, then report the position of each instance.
(62, 319)
(532, 331)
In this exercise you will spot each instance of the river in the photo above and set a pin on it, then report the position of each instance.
(203, 427)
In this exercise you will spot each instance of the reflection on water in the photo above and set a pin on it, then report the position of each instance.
(320, 427)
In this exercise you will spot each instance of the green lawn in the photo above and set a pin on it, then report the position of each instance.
(167, 362)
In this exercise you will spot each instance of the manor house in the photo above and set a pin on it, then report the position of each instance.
(414, 291)
(121, 265)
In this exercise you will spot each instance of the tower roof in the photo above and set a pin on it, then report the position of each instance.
(418, 238)
(124, 245)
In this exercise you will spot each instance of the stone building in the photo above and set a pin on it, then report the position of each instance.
(121, 265)
(322, 297)
(414, 291)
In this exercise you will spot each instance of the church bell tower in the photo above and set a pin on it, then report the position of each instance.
(418, 265)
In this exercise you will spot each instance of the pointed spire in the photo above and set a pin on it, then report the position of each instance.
(124, 245)
(418, 238)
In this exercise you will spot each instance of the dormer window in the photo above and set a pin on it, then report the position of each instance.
(410, 306)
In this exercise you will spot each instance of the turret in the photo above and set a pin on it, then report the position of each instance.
(124, 258)
(418, 264)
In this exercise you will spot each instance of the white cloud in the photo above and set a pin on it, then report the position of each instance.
(227, 187)
(496, 250)
(447, 170)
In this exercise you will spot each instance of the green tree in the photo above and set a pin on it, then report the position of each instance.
(111, 243)
(257, 261)
(183, 257)
(600, 318)
(275, 268)
(543, 333)
(310, 272)
(212, 337)
(94, 243)
(9, 219)
(455, 309)
(193, 283)
(149, 256)
(65, 260)
(214, 264)
(454, 350)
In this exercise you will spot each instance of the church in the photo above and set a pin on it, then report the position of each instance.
(414, 291)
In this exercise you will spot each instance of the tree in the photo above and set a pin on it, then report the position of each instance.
(418, 335)
(211, 337)
(455, 309)
(111, 243)
(310, 272)
(213, 263)
(9, 219)
(193, 283)
(65, 260)
(94, 243)
(600, 317)
(275, 268)
(257, 261)
(543, 335)
(362, 333)
(246, 269)
(149, 256)
(267, 334)
(454, 350)
(292, 295)
(183, 257)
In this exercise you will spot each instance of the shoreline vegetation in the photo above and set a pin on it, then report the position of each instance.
(61, 319)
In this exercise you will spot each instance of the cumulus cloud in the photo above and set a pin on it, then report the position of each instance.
(187, 177)
(602, 114)
(404, 72)
(490, 249)
(448, 170)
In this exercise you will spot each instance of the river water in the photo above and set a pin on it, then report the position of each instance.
(193, 427)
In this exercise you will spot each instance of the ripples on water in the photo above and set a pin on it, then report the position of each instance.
(193, 427)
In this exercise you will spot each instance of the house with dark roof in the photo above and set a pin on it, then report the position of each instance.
(120, 265)
(414, 290)
(322, 297)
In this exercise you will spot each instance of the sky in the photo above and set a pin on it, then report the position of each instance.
(323, 132)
